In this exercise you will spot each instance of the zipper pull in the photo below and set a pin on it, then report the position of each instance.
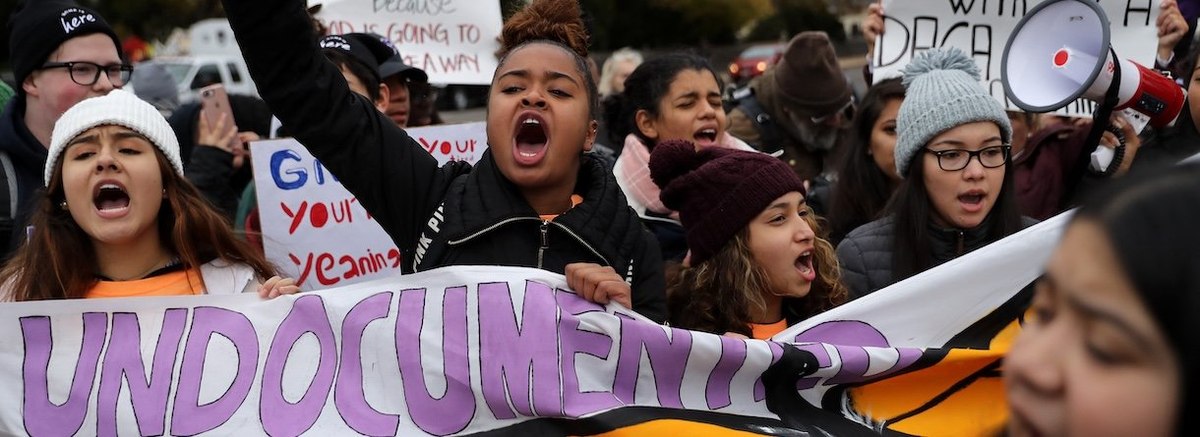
(961, 243)
(545, 229)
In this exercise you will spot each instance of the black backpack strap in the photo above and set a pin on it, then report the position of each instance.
(8, 200)
(768, 131)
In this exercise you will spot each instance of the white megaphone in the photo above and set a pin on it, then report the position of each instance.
(1060, 52)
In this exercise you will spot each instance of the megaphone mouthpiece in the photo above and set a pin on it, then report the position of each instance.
(1073, 64)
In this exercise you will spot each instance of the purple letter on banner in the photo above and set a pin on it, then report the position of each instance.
(41, 416)
(188, 416)
(348, 394)
(577, 341)
(733, 355)
(508, 354)
(668, 360)
(123, 360)
(280, 417)
(453, 411)
(850, 336)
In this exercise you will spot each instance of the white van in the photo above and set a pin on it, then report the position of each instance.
(194, 72)
(208, 54)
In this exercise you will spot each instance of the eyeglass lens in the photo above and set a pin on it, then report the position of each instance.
(87, 73)
(957, 159)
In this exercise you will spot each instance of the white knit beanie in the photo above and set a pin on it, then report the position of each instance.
(942, 92)
(118, 107)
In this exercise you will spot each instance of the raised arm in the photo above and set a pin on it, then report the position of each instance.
(394, 178)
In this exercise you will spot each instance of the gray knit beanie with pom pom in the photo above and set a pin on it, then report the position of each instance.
(943, 92)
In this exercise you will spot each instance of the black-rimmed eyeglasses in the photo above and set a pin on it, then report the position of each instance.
(958, 159)
(87, 73)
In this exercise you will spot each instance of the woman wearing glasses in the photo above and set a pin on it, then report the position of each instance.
(957, 195)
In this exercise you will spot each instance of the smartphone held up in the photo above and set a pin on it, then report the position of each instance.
(214, 102)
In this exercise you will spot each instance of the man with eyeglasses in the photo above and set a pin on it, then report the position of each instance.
(61, 53)
(802, 107)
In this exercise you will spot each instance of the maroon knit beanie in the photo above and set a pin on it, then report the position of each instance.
(717, 191)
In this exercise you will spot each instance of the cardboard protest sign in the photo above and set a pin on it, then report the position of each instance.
(315, 230)
(453, 142)
(981, 29)
(454, 41)
(509, 351)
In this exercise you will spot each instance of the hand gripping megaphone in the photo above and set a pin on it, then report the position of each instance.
(1060, 52)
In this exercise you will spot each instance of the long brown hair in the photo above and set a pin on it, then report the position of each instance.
(58, 260)
(717, 295)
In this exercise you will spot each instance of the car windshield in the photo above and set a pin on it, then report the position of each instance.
(178, 70)
(760, 52)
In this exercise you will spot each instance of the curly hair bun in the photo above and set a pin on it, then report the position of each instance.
(554, 20)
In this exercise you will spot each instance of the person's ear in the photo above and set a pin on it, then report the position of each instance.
(385, 95)
(31, 89)
(590, 140)
(645, 124)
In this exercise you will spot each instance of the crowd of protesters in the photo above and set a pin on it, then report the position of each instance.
(798, 199)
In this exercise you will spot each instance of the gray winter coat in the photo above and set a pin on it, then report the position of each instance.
(866, 253)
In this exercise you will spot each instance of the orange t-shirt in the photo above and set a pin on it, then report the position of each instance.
(766, 331)
(177, 283)
(575, 201)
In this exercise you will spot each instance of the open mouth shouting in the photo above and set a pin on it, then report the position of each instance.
(972, 201)
(804, 264)
(705, 137)
(111, 200)
(531, 139)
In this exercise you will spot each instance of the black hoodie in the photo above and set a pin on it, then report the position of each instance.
(28, 157)
(448, 215)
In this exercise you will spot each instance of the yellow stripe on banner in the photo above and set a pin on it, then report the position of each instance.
(674, 427)
(979, 408)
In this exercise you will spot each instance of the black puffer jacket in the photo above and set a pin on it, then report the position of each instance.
(866, 253)
(28, 157)
(453, 214)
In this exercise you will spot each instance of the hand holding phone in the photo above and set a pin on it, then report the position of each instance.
(213, 103)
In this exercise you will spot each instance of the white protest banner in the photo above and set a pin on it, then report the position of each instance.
(506, 351)
(315, 230)
(454, 41)
(921, 352)
(981, 29)
(453, 351)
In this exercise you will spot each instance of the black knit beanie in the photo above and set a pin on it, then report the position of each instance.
(38, 27)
